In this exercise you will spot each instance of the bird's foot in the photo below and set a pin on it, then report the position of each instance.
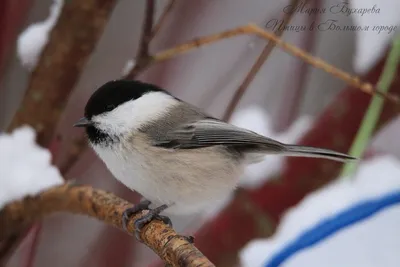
(128, 213)
(151, 215)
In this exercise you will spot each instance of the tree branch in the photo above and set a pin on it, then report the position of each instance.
(162, 18)
(319, 63)
(262, 58)
(79, 199)
(142, 59)
(70, 45)
(143, 50)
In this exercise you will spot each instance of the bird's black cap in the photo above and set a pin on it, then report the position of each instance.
(114, 93)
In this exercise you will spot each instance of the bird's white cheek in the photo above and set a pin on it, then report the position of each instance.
(132, 115)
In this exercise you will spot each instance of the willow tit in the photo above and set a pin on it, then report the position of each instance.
(177, 157)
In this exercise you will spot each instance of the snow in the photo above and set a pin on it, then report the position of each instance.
(128, 67)
(379, 234)
(32, 41)
(25, 168)
(258, 120)
(383, 24)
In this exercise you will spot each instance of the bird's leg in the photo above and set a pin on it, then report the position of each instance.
(152, 214)
(143, 205)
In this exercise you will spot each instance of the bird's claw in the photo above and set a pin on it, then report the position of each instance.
(128, 213)
(151, 215)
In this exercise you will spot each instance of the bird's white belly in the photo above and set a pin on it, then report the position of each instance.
(185, 181)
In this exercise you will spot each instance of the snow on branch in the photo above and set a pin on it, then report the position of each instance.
(25, 167)
(33, 39)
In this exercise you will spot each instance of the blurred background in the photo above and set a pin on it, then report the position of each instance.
(288, 100)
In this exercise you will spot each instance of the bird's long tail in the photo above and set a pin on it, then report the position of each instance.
(313, 152)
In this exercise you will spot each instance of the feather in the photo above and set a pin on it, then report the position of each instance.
(213, 132)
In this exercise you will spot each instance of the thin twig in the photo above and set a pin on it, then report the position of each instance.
(143, 50)
(142, 58)
(288, 110)
(257, 65)
(34, 232)
(321, 64)
(291, 49)
(162, 18)
(79, 199)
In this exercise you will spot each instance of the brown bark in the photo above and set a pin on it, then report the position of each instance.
(79, 199)
(12, 16)
(70, 45)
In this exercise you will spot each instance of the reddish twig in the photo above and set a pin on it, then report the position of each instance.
(162, 18)
(143, 50)
(12, 17)
(262, 58)
(143, 58)
(288, 110)
(35, 232)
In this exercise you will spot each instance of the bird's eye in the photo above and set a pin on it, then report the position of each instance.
(110, 107)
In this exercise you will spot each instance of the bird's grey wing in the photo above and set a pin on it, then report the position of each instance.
(212, 132)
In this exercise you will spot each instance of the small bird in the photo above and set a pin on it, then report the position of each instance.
(177, 157)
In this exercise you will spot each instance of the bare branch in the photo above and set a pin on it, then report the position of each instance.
(70, 45)
(162, 18)
(291, 49)
(71, 42)
(79, 199)
(142, 56)
(143, 50)
(262, 58)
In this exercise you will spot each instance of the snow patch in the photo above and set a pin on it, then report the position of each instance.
(25, 168)
(129, 65)
(31, 42)
(373, 242)
(382, 23)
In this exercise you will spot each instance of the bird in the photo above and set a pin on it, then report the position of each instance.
(179, 158)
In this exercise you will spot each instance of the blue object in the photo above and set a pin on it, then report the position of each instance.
(330, 226)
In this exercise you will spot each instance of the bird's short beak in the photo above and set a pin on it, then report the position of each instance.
(83, 122)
